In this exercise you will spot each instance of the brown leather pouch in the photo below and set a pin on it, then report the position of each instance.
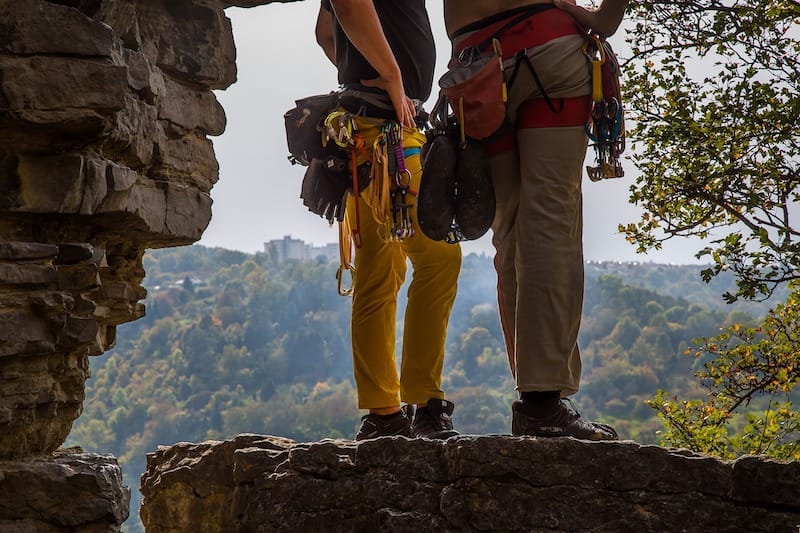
(476, 91)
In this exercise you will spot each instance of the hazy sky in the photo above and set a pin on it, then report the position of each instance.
(257, 196)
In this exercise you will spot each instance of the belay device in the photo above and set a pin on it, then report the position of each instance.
(606, 127)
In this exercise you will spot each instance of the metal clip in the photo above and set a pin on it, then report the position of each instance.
(342, 291)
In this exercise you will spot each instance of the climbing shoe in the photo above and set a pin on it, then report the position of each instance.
(437, 188)
(564, 422)
(475, 200)
(432, 420)
(374, 426)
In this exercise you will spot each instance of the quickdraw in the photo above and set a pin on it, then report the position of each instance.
(606, 128)
(345, 259)
(401, 226)
(341, 129)
(391, 185)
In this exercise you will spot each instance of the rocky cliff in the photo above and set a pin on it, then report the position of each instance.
(106, 108)
(105, 112)
(469, 483)
(64, 491)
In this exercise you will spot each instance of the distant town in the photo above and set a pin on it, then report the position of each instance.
(289, 248)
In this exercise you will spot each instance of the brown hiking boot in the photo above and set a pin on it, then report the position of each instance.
(565, 422)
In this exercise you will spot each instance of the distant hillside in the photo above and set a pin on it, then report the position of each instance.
(682, 281)
(236, 342)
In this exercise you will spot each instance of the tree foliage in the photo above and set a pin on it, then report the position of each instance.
(714, 89)
(744, 365)
(258, 346)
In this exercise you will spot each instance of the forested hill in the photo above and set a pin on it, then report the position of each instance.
(235, 343)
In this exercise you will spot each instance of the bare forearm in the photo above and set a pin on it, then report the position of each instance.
(611, 13)
(604, 20)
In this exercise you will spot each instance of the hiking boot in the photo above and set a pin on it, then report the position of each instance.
(433, 421)
(437, 188)
(374, 426)
(565, 422)
(475, 200)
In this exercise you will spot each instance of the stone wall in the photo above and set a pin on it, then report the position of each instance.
(106, 108)
(469, 483)
(105, 112)
(64, 491)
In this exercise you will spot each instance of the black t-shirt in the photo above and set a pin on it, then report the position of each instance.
(408, 31)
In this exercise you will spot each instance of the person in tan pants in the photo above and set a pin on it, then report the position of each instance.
(536, 166)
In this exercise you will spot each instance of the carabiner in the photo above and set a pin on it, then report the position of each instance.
(468, 55)
(401, 183)
(343, 135)
(339, 271)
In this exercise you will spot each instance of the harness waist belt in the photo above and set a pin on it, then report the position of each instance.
(372, 104)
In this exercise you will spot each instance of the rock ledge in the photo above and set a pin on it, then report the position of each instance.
(65, 491)
(469, 483)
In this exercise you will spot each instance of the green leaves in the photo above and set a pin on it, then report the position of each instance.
(714, 92)
(745, 367)
(714, 88)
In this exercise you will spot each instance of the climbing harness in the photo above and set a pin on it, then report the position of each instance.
(382, 177)
(606, 127)
(389, 191)
(340, 128)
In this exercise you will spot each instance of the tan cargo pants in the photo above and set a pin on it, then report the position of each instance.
(537, 231)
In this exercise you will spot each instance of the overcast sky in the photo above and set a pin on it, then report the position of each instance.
(257, 196)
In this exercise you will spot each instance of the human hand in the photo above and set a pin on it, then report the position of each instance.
(604, 20)
(403, 106)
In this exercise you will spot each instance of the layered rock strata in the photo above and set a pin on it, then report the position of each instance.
(105, 112)
(469, 483)
(106, 108)
(65, 491)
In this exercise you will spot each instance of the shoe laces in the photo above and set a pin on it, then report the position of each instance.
(430, 420)
(605, 428)
(571, 407)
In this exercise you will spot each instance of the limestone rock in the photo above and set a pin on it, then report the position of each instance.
(468, 483)
(105, 111)
(66, 491)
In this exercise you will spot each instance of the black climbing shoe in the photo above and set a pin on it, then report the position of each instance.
(374, 426)
(433, 421)
(565, 422)
(475, 200)
(437, 189)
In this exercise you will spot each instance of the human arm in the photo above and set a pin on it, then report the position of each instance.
(324, 33)
(604, 20)
(360, 22)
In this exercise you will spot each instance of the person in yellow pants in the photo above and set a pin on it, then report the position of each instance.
(386, 48)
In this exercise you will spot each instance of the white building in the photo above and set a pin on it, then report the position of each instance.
(289, 248)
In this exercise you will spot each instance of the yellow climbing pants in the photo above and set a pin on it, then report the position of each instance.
(380, 270)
